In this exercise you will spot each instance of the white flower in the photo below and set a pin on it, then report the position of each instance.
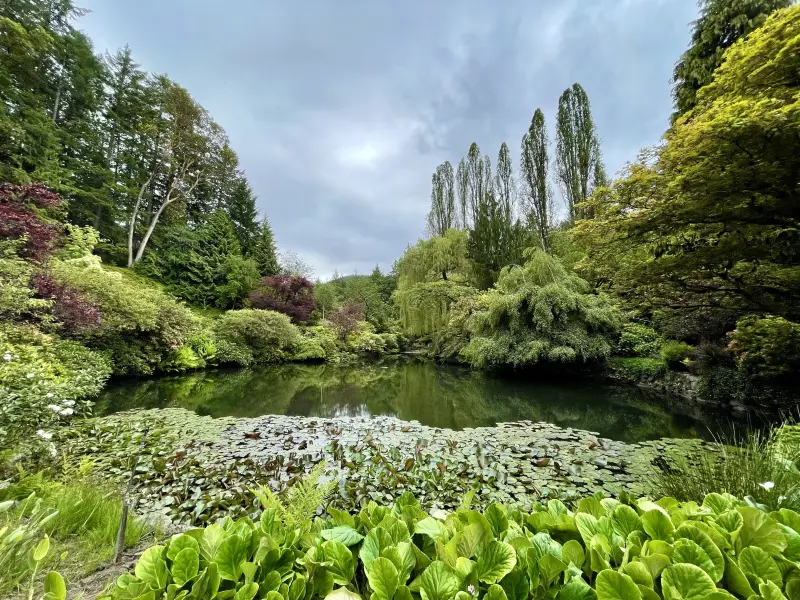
(44, 435)
(68, 402)
(54, 407)
(50, 394)
(781, 499)
(66, 412)
(7, 357)
(767, 485)
(53, 451)
(30, 375)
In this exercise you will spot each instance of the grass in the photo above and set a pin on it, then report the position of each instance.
(762, 466)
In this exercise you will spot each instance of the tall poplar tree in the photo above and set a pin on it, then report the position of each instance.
(534, 166)
(504, 180)
(444, 212)
(721, 23)
(577, 149)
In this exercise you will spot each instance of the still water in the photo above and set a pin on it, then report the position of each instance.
(435, 395)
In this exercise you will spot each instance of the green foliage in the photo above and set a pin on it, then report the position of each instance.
(439, 258)
(264, 251)
(425, 307)
(766, 347)
(761, 466)
(721, 24)
(636, 339)
(16, 294)
(605, 549)
(540, 313)
(252, 336)
(44, 381)
(142, 325)
(674, 352)
(636, 369)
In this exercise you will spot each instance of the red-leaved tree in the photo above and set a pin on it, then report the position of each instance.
(346, 318)
(69, 307)
(287, 294)
(18, 217)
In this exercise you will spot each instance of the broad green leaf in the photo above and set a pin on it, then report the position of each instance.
(462, 595)
(210, 541)
(686, 582)
(432, 527)
(496, 515)
(273, 595)
(207, 582)
(655, 563)
(599, 553)
(496, 561)
(396, 528)
(658, 525)
(41, 549)
(793, 589)
(403, 593)
(231, 554)
(298, 588)
(185, 565)
(770, 591)
(438, 582)
(625, 520)
(735, 579)
(576, 590)
(341, 518)
(152, 568)
(572, 552)
(247, 592)
(471, 540)
(761, 531)
(612, 585)
(717, 503)
(343, 568)
(271, 581)
(756, 561)
(344, 534)
(792, 551)
(408, 561)
(179, 542)
(648, 593)
(587, 526)
(686, 551)
(383, 578)
(701, 539)
(515, 585)
(495, 592)
(657, 547)
(639, 573)
(54, 587)
(591, 506)
(377, 540)
(551, 567)
(556, 507)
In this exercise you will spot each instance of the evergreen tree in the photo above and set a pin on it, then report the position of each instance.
(535, 164)
(721, 23)
(264, 251)
(244, 215)
(577, 149)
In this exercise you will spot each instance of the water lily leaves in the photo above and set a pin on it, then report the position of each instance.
(658, 525)
(496, 561)
(498, 520)
(152, 568)
(383, 578)
(377, 540)
(438, 582)
(576, 590)
(625, 520)
(612, 585)
(688, 553)
(755, 561)
(572, 552)
(343, 568)
(515, 585)
(232, 553)
(431, 527)
(761, 531)
(686, 582)
(185, 565)
(342, 533)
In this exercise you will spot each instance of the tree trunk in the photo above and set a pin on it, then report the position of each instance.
(132, 224)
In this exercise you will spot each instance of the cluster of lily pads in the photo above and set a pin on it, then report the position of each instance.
(194, 469)
(606, 549)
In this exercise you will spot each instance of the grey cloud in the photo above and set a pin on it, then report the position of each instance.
(340, 111)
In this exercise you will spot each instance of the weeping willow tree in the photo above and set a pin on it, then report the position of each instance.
(432, 276)
(539, 313)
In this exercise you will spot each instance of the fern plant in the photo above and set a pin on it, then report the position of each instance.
(299, 503)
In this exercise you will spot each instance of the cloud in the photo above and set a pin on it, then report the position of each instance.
(340, 111)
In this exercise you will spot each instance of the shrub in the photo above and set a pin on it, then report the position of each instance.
(308, 349)
(347, 318)
(254, 336)
(288, 294)
(636, 369)
(766, 347)
(674, 352)
(636, 339)
(21, 218)
(326, 337)
(604, 549)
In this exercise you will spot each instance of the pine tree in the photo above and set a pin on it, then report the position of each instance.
(244, 215)
(264, 250)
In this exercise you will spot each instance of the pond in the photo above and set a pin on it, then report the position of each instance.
(435, 395)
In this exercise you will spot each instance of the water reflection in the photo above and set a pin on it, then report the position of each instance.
(435, 395)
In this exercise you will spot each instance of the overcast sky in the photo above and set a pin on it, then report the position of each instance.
(340, 110)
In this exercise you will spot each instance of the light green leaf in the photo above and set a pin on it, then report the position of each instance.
(551, 567)
(403, 593)
(770, 591)
(761, 531)
(496, 561)
(344, 534)
(210, 541)
(515, 585)
(409, 561)
(377, 540)
(438, 582)
(298, 588)
(686, 551)
(231, 554)
(572, 552)
(639, 573)
(54, 587)
(735, 579)
(179, 542)
(343, 568)
(591, 506)
(462, 595)
(341, 517)
(41, 550)
(471, 540)
(686, 582)
(647, 593)
(711, 550)
(273, 595)
(655, 563)
(185, 565)
(431, 527)
(383, 578)
(152, 568)
(756, 561)
(587, 526)
(717, 503)
(793, 588)
(658, 525)
(576, 590)
(625, 520)
(496, 515)
(611, 585)
(247, 592)
(495, 592)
